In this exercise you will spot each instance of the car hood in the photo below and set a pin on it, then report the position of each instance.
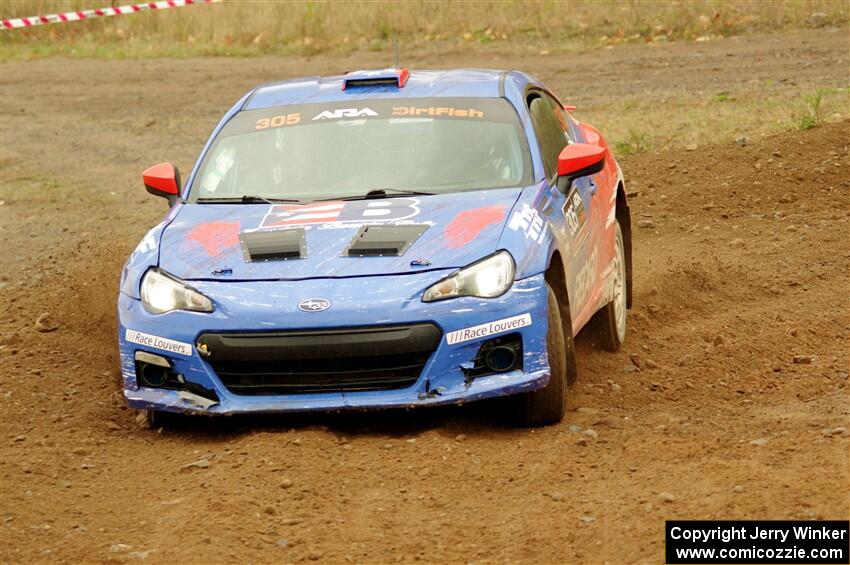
(353, 238)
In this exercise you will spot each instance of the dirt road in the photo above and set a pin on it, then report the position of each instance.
(741, 266)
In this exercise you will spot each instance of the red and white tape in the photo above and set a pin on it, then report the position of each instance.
(89, 14)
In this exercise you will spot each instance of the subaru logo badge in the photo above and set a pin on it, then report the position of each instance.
(314, 305)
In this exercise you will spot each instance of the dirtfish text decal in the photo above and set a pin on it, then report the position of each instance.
(437, 112)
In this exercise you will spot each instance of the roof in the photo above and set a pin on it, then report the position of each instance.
(457, 83)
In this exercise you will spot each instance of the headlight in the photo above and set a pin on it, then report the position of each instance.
(488, 278)
(163, 293)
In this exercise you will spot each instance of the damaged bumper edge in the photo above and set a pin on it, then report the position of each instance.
(483, 388)
(201, 384)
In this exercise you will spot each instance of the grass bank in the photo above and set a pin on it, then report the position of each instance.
(247, 28)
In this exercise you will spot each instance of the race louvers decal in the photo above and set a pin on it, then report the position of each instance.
(488, 329)
(528, 221)
(356, 212)
(157, 342)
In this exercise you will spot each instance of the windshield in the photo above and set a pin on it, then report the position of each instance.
(318, 151)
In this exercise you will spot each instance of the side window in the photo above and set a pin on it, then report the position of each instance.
(550, 127)
(561, 114)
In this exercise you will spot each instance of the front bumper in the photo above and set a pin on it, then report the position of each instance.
(271, 306)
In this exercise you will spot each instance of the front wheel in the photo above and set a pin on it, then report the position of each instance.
(547, 405)
(611, 319)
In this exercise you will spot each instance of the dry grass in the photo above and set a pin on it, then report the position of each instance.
(240, 27)
(635, 124)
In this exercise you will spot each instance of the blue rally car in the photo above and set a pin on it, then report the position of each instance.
(379, 239)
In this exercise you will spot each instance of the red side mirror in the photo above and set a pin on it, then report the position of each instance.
(163, 180)
(579, 160)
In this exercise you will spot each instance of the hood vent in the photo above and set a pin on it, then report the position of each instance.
(270, 245)
(384, 240)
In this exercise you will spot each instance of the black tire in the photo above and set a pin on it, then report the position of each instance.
(547, 405)
(569, 344)
(609, 335)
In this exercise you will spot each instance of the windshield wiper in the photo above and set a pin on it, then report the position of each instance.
(248, 199)
(380, 193)
(400, 191)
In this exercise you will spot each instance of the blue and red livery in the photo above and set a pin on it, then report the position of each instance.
(379, 239)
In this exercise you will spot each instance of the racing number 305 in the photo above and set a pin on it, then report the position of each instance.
(278, 121)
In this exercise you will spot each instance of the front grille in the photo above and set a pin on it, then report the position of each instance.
(304, 362)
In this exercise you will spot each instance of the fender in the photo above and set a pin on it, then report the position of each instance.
(145, 255)
(531, 232)
(535, 229)
(619, 211)
(624, 216)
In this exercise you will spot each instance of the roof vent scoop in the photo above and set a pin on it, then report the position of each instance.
(384, 241)
(396, 78)
(268, 245)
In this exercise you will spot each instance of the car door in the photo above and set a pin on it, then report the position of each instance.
(573, 209)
